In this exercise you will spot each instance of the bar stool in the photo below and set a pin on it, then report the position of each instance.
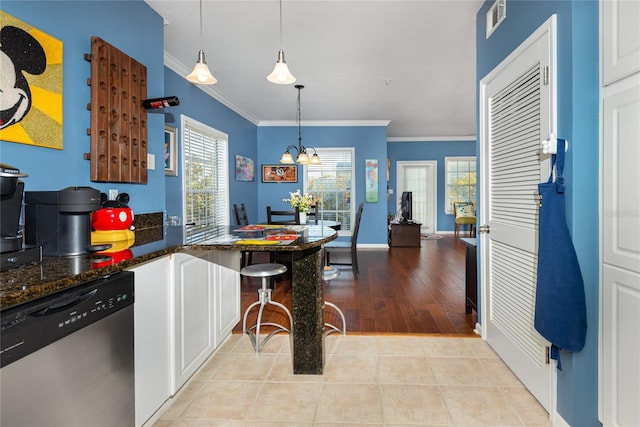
(330, 273)
(265, 271)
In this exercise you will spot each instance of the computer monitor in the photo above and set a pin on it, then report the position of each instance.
(406, 206)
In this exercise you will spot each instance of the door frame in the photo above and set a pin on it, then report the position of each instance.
(432, 187)
(549, 26)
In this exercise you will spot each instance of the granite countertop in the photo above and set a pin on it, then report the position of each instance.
(23, 284)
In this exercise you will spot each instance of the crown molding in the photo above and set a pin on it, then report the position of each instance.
(325, 123)
(432, 138)
(181, 70)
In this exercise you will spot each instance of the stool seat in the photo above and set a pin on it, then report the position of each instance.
(264, 271)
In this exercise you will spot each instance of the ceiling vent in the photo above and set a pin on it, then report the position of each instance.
(496, 15)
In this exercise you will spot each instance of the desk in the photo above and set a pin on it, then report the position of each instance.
(404, 234)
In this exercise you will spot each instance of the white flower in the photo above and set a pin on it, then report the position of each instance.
(297, 200)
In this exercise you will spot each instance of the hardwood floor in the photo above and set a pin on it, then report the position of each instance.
(399, 290)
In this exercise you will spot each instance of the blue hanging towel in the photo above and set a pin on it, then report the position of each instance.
(560, 309)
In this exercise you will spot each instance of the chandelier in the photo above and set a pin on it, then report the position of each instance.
(302, 158)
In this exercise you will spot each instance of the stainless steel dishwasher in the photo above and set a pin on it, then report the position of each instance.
(67, 359)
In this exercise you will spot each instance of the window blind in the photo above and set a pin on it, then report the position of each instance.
(332, 184)
(206, 180)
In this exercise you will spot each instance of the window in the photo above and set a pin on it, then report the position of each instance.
(461, 181)
(332, 182)
(205, 179)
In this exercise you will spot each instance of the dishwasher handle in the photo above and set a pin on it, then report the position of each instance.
(63, 305)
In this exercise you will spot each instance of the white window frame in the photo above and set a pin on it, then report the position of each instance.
(448, 207)
(200, 229)
(345, 230)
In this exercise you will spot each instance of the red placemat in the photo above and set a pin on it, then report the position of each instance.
(252, 228)
(282, 237)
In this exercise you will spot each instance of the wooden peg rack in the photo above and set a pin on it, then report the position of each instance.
(118, 121)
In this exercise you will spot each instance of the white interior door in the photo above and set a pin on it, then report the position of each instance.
(517, 112)
(420, 178)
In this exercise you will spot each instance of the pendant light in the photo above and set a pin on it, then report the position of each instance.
(302, 158)
(201, 74)
(281, 74)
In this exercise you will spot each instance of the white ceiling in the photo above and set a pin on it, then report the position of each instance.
(411, 63)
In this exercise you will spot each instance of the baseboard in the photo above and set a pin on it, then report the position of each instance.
(558, 421)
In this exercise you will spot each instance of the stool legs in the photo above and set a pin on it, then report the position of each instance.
(330, 273)
(330, 327)
(264, 295)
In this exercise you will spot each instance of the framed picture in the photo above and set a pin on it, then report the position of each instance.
(170, 151)
(279, 173)
(244, 168)
(371, 180)
(31, 100)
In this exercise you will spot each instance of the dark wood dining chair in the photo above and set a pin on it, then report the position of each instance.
(350, 246)
(291, 217)
(240, 213)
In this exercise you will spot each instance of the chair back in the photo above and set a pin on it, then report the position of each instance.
(464, 212)
(312, 215)
(240, 214)
(356, 228)
(283, 217)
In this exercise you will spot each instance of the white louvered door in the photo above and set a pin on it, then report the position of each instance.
(516, 114)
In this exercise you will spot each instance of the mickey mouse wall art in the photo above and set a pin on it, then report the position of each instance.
(30, 85)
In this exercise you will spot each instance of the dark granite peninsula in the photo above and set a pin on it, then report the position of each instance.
(23, 284)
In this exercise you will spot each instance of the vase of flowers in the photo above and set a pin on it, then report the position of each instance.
(301, 202)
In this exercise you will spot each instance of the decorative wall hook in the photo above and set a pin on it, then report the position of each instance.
(550, 146)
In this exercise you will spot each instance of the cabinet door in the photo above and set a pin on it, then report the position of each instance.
(621, 39)
(193, 316)
(152, 335)
(226, 289)
(620, 286)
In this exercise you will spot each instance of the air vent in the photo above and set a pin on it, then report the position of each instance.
(496, 15)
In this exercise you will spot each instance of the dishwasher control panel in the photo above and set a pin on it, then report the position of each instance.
(29, 327)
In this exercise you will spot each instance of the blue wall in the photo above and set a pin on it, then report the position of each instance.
(200, 106)
(132, 27)
(370, 142)
(431, 150)
(578, 122)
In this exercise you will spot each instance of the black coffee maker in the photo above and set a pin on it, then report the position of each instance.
(12, 249)
(60, 221)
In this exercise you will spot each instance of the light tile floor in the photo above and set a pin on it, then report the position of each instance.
(390, 380)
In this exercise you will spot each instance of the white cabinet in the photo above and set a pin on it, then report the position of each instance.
(186, 304)
(620, 268)
(620, 39)
(223, 269)
(194, 315)
(152, 337)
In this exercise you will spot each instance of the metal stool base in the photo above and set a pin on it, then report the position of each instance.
(264, 295)
(330, 273)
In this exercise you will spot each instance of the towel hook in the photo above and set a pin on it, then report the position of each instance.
(550, 146)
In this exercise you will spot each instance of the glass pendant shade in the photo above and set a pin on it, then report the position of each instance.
(303, 159)
(201, 74)
(286, 158)
(315, 159)
(281, 74)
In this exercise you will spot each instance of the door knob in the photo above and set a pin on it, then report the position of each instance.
(484, 228)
